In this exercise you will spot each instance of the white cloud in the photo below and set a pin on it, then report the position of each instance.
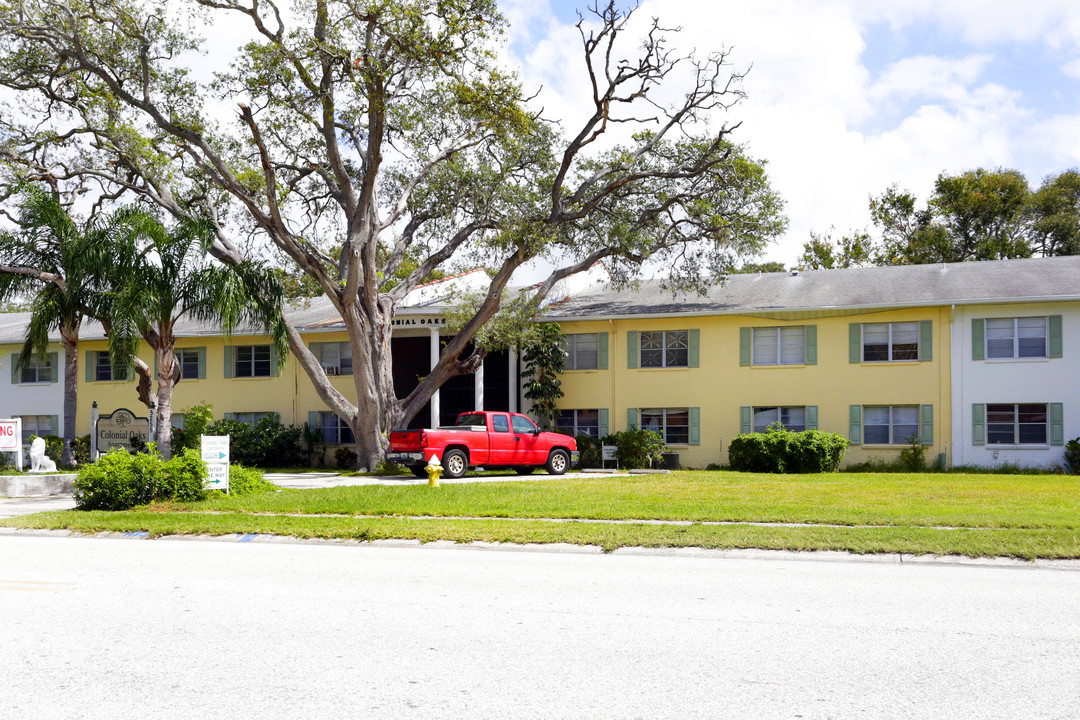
(833, 133)
(1072, 68)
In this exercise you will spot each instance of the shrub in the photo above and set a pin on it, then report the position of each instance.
(637, 448)
(81, 448)
(268, 443)
(1072, 456)
(248, 481)
(913, 457)
(345, 458)
(782, 451)
(121, 480)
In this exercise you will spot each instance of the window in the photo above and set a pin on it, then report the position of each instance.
(1019, 424)
(251, 361)
(336, 358)
(673, 424)
(579, 422)
(583, 351)
(522, 424)
(499, 423)
(189, 363)
(665, 348)
(792, 418)
(249, 418)
(335, 430)
(890, 342)
(104, 370)
(890, 424)
(37, 371)
(40, 425)
(779, 346)
(1023, 337)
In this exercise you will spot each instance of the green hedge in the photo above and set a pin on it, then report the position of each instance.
(784, 451)
(121, 480)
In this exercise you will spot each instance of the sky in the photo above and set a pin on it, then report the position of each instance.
(847, 97)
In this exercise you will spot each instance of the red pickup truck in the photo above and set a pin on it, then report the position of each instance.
(487, 439)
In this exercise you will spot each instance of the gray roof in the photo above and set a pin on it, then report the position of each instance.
(825, 292)
(787, 294)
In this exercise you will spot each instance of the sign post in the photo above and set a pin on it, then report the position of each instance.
(11, 439)
(215, 453)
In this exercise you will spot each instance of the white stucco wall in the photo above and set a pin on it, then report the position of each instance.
(36, 399)
(1013, 381)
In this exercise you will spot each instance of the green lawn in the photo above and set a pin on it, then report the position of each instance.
(977, 515)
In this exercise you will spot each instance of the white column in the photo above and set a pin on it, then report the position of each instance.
(434, 361)
(514, 380)
(478, 387)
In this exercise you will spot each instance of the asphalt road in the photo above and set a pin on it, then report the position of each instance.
(171, 628)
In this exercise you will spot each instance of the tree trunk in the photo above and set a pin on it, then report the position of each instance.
(167, 375)
(69, 338)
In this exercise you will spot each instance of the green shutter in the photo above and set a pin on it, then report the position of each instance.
(15, 369)
(811, 417)
(275, 365)
(313, 419)
(602, 421)
(926, 425)
(978, 339)
(54, 363)
(978, 424)
(1055, 336)
(926, 340)
(855, 343)
(229, 361)
(810, 344)
(602, 351)
(566, 345)
(631, 349)
(1057, 424)
(54, 425)
(631, 419)
(745, 339)
(314, 348)
(202, 363)
(230, 416)
(695, 349)
(746, 418)
(89, 366)
(695, 426)
(855, 425)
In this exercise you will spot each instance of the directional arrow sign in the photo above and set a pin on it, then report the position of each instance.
(215, 453)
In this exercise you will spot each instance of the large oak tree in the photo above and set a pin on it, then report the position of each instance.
(386, 131)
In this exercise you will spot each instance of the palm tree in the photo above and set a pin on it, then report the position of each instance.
(57, 264)
(161, 275)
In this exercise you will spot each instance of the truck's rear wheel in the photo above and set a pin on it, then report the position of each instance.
(558, 462)
(455, 464)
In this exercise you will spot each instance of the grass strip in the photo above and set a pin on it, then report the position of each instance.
(1017, 543)
(900, 499)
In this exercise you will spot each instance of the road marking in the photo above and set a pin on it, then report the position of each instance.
(35, 586)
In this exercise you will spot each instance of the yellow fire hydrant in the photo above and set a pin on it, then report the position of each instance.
(434, 470)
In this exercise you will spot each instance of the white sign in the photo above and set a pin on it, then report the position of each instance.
(11, 439)
(608, 451)
(11, 435)
(215, 453)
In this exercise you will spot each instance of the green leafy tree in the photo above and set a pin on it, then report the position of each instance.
(1055, 215)
(824, 253)
(56, 262)
(162, 275)
(545, 359)
(389, 130)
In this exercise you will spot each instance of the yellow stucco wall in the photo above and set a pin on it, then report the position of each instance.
(719, 386)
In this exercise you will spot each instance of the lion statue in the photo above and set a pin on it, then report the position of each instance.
(39, 461)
